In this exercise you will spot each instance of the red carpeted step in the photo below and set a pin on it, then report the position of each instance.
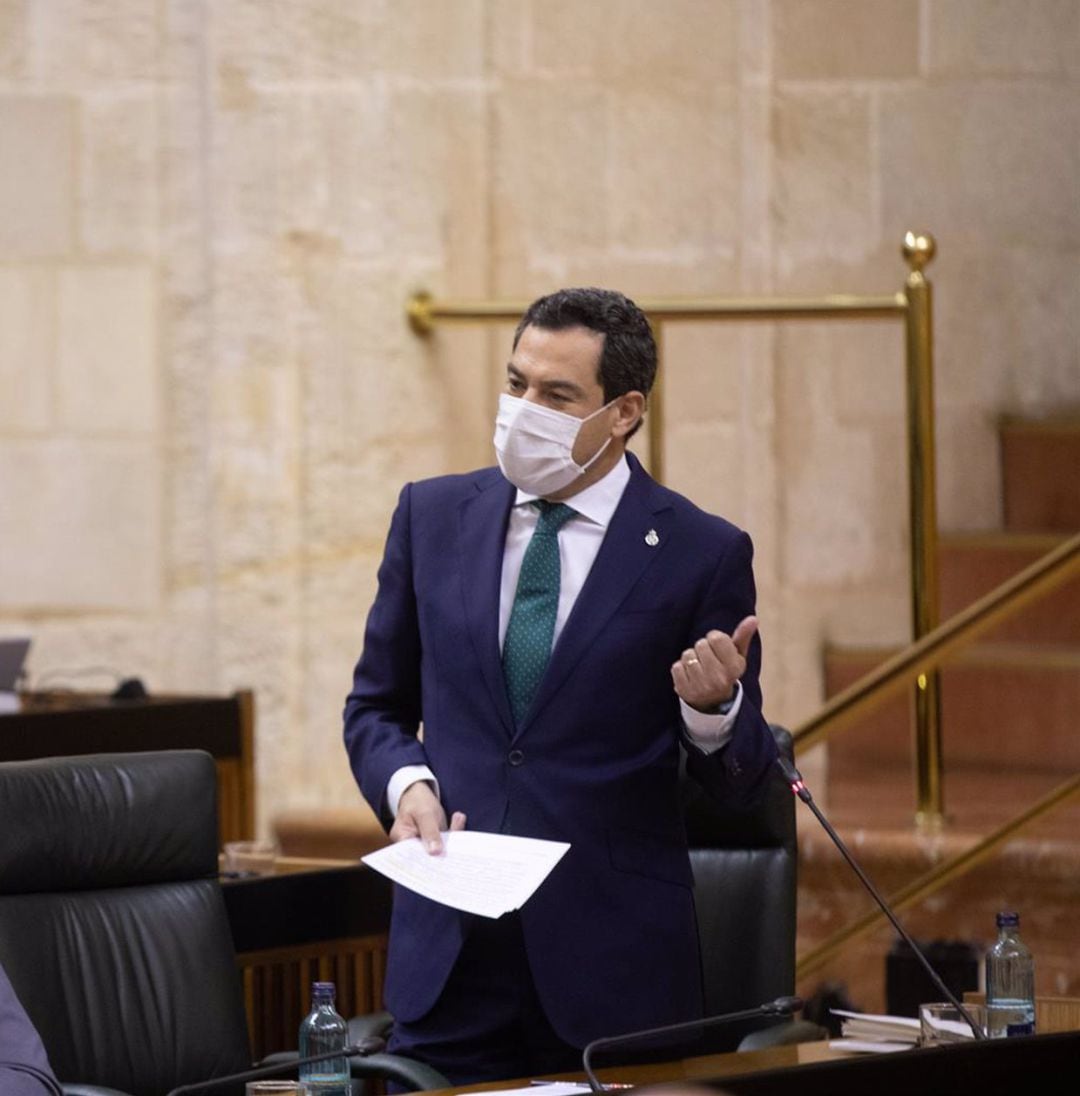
(1040, 466)
(1014, 704)
(971, 565)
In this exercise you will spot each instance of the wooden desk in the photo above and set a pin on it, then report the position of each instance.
(74, 724)
(718, 1066)
(712, 1067)
(328, 920)
(997, 1067)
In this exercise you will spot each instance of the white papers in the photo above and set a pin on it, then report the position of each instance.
(874, 1034)
(484, 873)
(867, 1046)
(545, 1088)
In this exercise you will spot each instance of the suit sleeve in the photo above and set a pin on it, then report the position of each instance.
(24, 1066)
(737, 772)
(383, 711)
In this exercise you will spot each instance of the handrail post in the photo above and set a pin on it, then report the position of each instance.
(918, 250)
(655, 424)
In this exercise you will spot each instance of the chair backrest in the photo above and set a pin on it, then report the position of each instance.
(112, 925)
(744, 866)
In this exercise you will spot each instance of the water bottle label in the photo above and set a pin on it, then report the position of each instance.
(1020, 1029)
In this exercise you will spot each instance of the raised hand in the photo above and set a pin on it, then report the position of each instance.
(705, 674)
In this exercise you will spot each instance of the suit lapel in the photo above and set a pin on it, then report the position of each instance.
(482, 523)
(628, 549)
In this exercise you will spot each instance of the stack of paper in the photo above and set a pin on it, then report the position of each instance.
(875, 1034)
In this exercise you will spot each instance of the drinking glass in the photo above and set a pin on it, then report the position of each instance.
(942, 1023)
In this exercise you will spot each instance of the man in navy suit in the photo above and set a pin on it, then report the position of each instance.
(650, 640)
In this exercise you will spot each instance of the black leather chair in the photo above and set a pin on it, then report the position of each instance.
(745, 868)
(113, 930)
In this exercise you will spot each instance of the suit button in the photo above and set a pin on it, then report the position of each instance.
(515, 757)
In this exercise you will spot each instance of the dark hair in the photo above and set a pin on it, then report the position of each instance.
(628, 358)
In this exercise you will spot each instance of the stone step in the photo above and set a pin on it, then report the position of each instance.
(1008, 705)
(1011, 727)
(1002, 703)
(970, 565)
(978, 799)
(1040, 465)
(1036, 874)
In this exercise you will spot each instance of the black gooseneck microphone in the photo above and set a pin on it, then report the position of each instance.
(371, 1045)
(782, 1006)
(795, 782)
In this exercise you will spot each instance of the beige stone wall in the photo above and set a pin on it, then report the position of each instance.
(212, 211)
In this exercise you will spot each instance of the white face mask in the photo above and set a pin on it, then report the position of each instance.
(535, 445)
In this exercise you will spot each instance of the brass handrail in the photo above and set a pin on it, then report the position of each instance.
(424, 312)
(1036, 580)
(913, 306)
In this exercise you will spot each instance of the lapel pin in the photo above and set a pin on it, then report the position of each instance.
(652, 539)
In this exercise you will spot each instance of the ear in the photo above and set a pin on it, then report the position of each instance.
(630, 407)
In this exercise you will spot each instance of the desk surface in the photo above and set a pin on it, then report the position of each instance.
(1005, 1066)
(709, 1067)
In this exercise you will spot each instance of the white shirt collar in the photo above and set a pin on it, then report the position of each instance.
(598, 501)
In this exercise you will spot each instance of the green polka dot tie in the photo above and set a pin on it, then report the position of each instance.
(527, 646)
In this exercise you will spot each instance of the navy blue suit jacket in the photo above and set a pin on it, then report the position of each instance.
(611, 934)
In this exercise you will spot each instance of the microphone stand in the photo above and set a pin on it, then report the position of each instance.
(782, 1006)
(795, 782)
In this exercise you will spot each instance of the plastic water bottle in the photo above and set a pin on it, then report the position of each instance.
(1010, 982)
(323, 1030)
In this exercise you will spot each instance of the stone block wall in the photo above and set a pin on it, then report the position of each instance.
(212, 213)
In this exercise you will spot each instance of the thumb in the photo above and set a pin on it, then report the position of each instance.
(744, 633)
(427, 824)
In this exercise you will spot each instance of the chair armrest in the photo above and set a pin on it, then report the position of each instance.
(412, 1075)
(278, 1058)
(776, 1035)
(376, 1024)
(76, 1089)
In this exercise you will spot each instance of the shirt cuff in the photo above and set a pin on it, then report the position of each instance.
(709, 732)
(403, 779)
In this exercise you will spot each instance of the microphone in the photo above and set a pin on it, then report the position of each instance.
(795, 782)
(371, 1045)
(782, 1006)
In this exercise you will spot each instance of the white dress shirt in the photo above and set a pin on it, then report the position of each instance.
(579, 542)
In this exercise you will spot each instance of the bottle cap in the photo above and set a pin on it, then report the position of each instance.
(322, 987)
(1008, 920)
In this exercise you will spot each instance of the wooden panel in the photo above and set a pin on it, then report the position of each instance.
(309, 921)
(277, 985)
(1052, 1014)
(236, 778)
